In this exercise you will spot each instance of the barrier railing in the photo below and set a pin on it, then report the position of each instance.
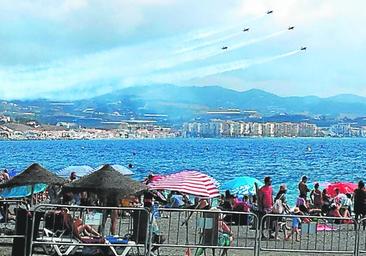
(202, 230)
(7, 221)
(308, 234)
(361, 248)
(175, 230)
(62, 229)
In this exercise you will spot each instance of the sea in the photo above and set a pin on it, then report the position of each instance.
(284, 159)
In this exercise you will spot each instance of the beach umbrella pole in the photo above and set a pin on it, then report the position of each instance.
(32, 192)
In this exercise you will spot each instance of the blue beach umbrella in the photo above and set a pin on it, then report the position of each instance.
(241, 186)
(120, 168)
(81, 170)
(22, 191)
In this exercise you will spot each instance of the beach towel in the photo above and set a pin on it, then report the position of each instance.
(116, 240)
(325, 227)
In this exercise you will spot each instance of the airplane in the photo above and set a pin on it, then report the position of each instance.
(224, 48)
(245, 29)
(303, 48)
(269, 12)
(291, 28)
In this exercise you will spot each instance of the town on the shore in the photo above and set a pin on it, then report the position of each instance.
(140, 129)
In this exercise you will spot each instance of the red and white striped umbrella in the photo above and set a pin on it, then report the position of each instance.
(189, 182)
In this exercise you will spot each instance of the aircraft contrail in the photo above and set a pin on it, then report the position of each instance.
(236, 31)
(213, 32)
(102, 67)
(211, 42)
(206, 53)
(211, 70)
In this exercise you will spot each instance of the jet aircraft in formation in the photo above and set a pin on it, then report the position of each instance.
(247, 29)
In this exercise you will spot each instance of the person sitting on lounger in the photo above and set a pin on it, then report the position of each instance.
(80, 230)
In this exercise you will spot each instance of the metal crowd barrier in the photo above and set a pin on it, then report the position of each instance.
(7, 222)
(56, 232)
(201, 230)
(361, 249)
(317, 234)
(178, 230)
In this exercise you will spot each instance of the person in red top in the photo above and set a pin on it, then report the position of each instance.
(265, 198)
(265, 202)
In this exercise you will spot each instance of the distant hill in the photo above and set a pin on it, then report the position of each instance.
(181, 104)
(210, 97)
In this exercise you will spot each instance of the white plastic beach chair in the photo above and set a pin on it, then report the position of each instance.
(64, 250)
(61, 250)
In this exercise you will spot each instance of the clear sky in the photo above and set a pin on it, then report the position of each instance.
(82, 48)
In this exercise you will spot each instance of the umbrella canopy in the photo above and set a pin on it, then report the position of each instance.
(241, 186)
(81, 170)
(34, 174)
(189, 181)
(22, 191)
(106, 180)
(344, 187)
(120, 168)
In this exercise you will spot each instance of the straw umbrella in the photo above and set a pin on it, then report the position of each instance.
(105, 181)
(32, 175)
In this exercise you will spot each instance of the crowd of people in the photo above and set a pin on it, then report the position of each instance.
(309, 202)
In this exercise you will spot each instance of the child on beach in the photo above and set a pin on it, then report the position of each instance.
(295, 226)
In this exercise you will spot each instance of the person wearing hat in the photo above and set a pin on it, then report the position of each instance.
(295, 225)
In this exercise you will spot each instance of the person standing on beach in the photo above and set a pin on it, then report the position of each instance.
(359, 197)
(265, 202)
(303, 187)
(295, 225)
(316, 197)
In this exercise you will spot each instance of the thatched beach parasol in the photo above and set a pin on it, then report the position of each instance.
(34, 174)
(105, 181)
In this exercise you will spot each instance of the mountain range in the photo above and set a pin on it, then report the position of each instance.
(172, 104)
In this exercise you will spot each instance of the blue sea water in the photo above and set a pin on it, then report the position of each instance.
(284, 159)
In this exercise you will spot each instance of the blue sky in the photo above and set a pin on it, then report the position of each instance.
(85, 48)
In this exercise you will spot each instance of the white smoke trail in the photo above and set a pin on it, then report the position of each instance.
(214, 32)
(210, 70)
(235, 31)
(211, 42)
(206, 53)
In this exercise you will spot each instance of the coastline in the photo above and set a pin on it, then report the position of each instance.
(184, 138)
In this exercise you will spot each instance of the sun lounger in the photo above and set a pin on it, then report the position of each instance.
(64, 242)
(68, 245)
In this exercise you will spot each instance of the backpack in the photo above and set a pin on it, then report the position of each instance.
(278, 206)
